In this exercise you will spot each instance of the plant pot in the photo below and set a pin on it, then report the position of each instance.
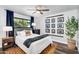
(71, 44)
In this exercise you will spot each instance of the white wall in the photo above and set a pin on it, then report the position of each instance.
(41, 23)
(21, 16)
(2, 24)
(37, 21)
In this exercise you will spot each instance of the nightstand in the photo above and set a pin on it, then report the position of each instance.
(36, 31)
(7, 42)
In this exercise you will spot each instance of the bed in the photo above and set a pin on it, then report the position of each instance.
(36, 47)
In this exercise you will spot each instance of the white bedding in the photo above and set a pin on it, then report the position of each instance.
(35, 47)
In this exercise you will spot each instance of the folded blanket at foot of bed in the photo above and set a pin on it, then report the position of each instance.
(28, 42)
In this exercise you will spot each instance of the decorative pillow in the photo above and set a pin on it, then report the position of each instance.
(21, 33)
(31, 32)
(28, 32)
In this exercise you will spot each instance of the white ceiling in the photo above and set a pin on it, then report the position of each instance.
(53, 8)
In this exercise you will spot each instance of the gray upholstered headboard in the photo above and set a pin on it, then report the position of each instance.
(20, 29)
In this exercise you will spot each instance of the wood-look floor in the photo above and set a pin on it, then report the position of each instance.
(51, 49)
(16, 50)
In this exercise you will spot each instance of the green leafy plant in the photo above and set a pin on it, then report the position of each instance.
(72, 27)
(21, 23)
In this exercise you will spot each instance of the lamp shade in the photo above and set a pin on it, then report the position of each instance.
(7, 28)
(33, 24)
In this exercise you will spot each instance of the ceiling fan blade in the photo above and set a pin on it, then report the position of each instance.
(41, 12)
(31, 9)
(34, 12)
(44, 9)
(38, 9)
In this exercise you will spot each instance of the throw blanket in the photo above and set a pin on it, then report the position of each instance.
(28, 42)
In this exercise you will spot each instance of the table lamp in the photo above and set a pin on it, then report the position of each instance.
(34, 25)
(7, 29)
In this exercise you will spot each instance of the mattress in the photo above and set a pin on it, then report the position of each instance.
(35, 47)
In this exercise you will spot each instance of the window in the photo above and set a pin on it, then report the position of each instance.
(20, 22)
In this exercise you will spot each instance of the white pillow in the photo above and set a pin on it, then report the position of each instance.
(22, 33)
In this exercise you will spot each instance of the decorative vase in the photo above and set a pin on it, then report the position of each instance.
(71, 44)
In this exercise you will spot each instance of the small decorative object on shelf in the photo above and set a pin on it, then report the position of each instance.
(47, 25)
(60, 25)
(47, 30)
(60, 31)
(53, 30)
(60, 19)
(53, 20)
(47, 20)
(52, 25)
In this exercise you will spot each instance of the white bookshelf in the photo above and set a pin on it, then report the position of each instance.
(57, 24)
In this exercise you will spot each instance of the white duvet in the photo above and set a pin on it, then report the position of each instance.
(36, 47)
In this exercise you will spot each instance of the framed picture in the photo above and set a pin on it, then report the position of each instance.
(60, 25)
(52, 25)
(53, 20)
(47, 30)
(47, 20)
(53, 30)
(60, 19)
(60, 31)
(47, 25)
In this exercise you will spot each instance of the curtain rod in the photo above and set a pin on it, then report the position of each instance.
(55, 16)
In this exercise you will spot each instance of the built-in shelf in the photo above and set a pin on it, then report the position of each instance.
(54, 25)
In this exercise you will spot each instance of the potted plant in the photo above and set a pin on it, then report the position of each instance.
(71, 30)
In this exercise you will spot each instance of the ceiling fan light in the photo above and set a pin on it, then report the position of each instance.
(38, 12)
(39, 9)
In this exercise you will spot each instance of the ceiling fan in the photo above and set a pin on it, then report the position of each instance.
(39, 9)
